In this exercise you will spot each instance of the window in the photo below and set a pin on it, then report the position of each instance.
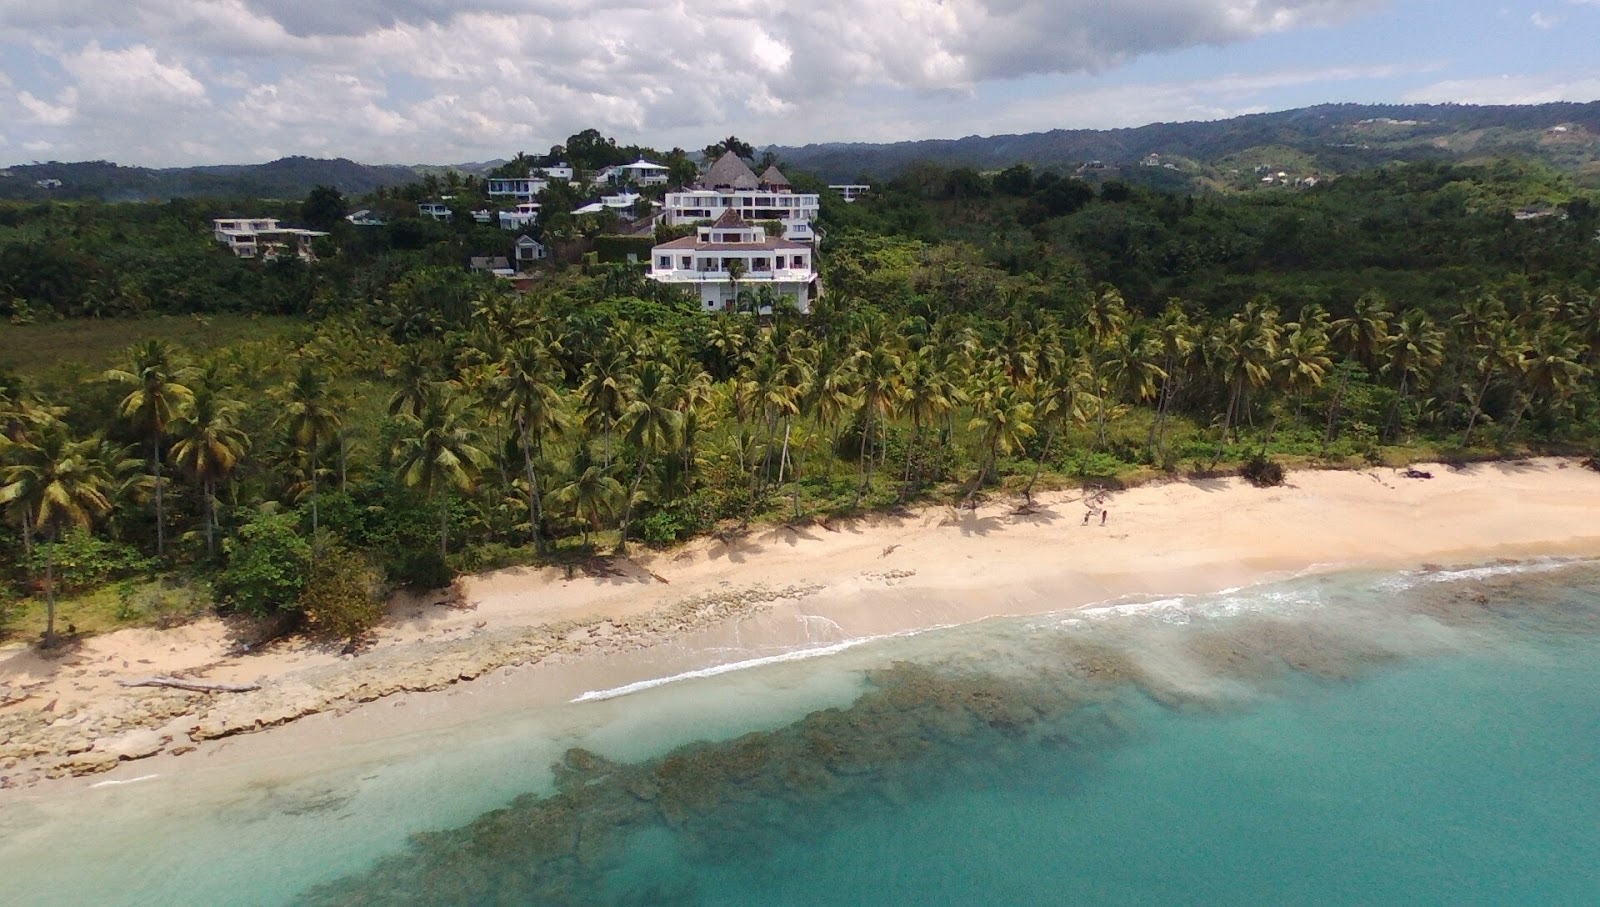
(688, 262)
(664, 262)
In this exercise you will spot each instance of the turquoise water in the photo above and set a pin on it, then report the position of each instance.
(1341, 739)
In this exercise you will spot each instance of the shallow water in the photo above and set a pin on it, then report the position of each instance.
(1419, 738)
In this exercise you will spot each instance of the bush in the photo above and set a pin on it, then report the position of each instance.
(1262, 472)
(422, 570)
(268, 565)
(339, 599)
(84, 561)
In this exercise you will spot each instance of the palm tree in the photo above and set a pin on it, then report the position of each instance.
(651, 423)
(209, 446)
(1002, 419)
(590, 492)
(438, 453)
(59, 483)
(1175, 335)
(1365, 333)
(877, 392)
(415, 374)
(1243, 350)
(1415, 348)
(309, 417)
(527, 389)
(1062, 397)
(158, 394)
(603, 394)
(1550, 370)
(929, 394)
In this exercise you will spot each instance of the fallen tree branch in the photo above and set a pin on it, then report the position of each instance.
(193, 686)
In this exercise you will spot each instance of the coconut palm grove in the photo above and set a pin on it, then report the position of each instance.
(182, 430)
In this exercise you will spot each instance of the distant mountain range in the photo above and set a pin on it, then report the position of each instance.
(285, 178)
(1329, 138)
(1312, 141)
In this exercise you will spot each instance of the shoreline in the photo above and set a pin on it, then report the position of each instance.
(532, 637)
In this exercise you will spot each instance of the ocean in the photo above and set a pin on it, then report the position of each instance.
(1424, 737)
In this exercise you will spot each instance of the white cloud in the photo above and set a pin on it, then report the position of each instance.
(1510, 89)
(414, 80)
(1540, 19)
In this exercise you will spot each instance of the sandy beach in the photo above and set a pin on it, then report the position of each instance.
(518, 637)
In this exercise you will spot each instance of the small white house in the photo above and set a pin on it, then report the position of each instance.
(850, 191)
(638, 173)
(435, 210)
(520, 217)
(561, 171)
(365, 218)
(530, 250)
(729, 258)
(263, 237)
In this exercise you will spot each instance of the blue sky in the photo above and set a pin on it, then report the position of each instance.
(170, 82)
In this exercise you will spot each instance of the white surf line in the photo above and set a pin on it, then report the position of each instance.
(730, 667)
(126, 781)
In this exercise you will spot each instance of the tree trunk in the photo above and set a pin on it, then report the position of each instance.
(1333, 408)
(444, 523)
(783, 458)
(1227, 419)
(905, 480)
(535, 504)
(863, 459)
(344, 458)
(161, 511)
(211, 512)
(627, 506)
(1477, 408)
(50, 592)
(1027, 493)
(313, 487)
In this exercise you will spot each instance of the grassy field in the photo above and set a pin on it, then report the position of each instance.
(40, 348)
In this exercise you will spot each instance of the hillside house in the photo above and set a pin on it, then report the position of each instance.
(530, 250)
(638, 173)
(729, 258)
(519, 189)
(435, 210)
(498, 265)
(365, 218)
(730, 185)
(520, 217)
(263, 237)
(850, 191)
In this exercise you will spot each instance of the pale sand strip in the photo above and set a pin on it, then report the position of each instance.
(779, 589)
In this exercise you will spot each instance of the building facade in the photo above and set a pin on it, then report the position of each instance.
(262, 237)
(730, 185)
(731, 265)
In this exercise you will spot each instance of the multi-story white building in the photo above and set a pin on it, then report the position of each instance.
(252, 237)
(435, 210)
(730, 185)
(521, 188)
(850, 191)
(726, 259)
(519, 217)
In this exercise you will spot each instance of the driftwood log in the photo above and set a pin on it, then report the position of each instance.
(194, 686)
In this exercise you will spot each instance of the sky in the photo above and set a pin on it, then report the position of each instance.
(181, 82)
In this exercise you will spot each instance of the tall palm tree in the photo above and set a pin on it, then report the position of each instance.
(1062, 398)
(157, 396)
(527, 390)
(652, 422)
(310, 418)
(603, 393)
(1549, 371)
(1242, 350)
(1364, 334)
(438, 452)
(60, 483)
(929, 394)
(208, 446)
(1176, 336)
(590, 492)
(1003, 420)
(1415, 348)
(877, 393)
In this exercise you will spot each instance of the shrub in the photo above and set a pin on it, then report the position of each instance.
(84, 561)
(422, 570)
(1262, 472)
(268, 565)
(339, 599)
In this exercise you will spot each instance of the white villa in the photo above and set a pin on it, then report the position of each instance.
(252, 237)
(730, 185)
(519, 217)
(522, 188)
(850, 191)
(622, 200)
(705, 263)
(435, 210)
(639, 173)
(530, 250)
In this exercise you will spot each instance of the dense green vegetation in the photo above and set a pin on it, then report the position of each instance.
(395, 419)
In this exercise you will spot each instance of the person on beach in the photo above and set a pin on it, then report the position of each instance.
(1086, 515)
(1103, 515)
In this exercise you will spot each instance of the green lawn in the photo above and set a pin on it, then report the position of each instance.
(97, 343)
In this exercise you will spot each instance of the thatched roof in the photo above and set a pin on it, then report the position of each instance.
(774, 177)
(729, 172)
